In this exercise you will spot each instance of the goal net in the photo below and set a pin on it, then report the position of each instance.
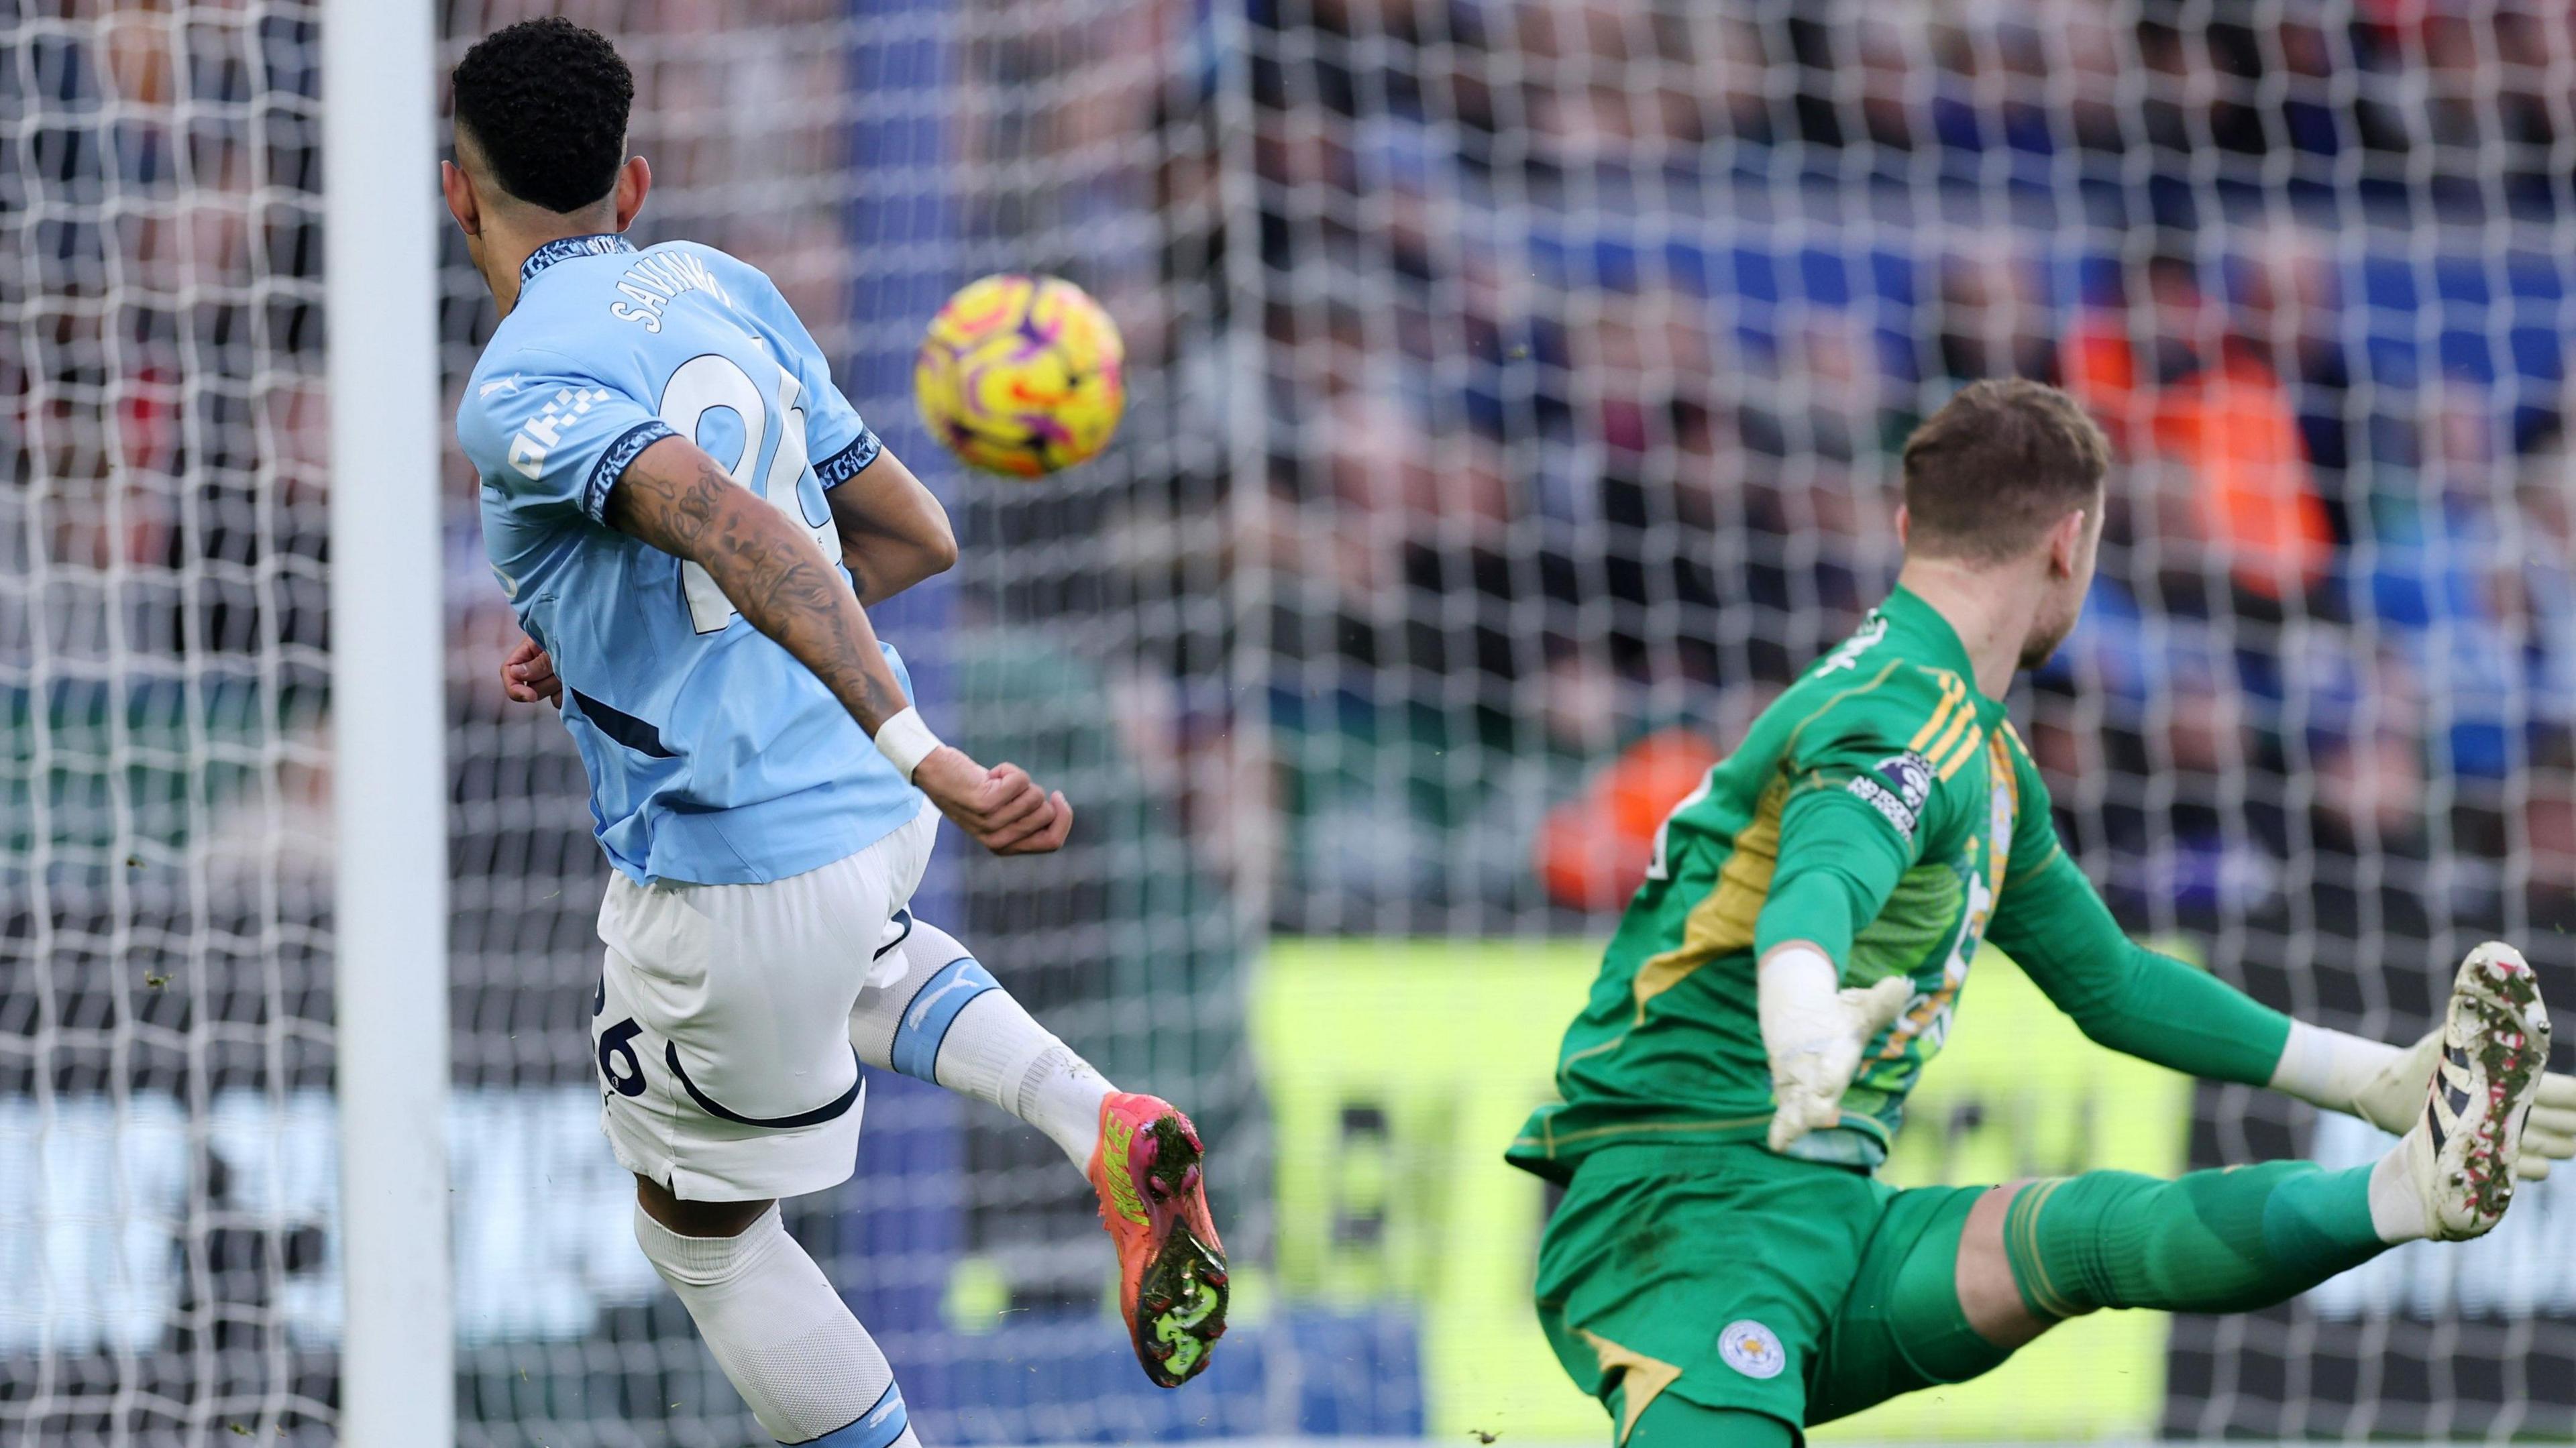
(165, 1046)
(1514, 390)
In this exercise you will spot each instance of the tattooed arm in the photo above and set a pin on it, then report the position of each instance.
(676, 498)
(893, 532)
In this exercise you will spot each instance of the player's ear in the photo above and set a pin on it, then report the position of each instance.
(634, 179)
(2066, 543)
(1904, 524)
(462, 204)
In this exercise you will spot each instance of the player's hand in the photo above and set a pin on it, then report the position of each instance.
(1814, 1034)
(1002, 808)
(527, 675)
(2394, 1099)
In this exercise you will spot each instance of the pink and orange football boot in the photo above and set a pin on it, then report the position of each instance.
(1171, 1267)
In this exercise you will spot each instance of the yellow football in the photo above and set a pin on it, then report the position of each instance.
(1021, 375)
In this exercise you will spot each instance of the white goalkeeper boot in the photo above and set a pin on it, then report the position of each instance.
(2459, 1158)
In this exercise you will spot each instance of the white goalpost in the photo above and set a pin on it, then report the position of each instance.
(388, 722)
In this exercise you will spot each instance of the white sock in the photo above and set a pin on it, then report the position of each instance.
(782, 1335)
(932, 1011)
(2398, 1212)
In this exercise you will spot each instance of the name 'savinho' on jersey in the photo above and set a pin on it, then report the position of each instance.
(654, 281)
(651, 284)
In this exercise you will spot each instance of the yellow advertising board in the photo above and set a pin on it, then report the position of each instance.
(1398, 1070)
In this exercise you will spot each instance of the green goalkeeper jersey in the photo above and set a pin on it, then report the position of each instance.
(1884, 809)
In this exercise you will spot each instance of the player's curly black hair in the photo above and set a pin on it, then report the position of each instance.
(546, 103)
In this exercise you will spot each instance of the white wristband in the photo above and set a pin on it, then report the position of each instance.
(905, 741)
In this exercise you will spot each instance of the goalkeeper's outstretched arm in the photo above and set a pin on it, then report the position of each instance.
(2149, 1005)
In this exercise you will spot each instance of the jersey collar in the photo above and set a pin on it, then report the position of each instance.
(1906, 610)
(564, 248)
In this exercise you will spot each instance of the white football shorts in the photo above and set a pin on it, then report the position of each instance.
(721, 1028)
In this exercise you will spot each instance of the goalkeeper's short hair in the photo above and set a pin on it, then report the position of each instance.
(1989, 474)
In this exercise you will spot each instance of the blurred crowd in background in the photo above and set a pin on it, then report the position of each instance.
(1583, 333)
(1592, 330)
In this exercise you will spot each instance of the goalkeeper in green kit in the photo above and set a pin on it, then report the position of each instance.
(1724, 1269)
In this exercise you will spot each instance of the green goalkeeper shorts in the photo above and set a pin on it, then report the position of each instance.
(1732, 1278)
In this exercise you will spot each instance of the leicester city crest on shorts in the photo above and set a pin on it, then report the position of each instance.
(1752, 1349)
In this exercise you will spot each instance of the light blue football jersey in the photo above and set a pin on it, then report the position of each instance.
(713, 755)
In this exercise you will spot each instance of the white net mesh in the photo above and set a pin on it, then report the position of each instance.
(164, 962)
(1514, 384)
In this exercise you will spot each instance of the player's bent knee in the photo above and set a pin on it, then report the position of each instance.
(922, 980)
(1675, 1422)
(697, 1219)
(1988, 1292)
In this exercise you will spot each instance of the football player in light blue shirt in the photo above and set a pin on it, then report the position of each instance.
(689, 519)
(658, 434)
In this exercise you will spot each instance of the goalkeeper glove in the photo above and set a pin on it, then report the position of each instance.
(1814, 1032)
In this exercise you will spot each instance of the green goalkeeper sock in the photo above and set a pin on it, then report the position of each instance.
(2212, 1241)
